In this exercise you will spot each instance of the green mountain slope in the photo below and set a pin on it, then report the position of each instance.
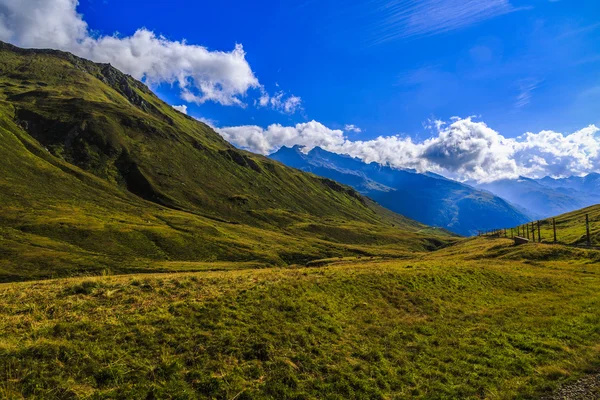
(96, 118)
(571, 227)
(99, 174)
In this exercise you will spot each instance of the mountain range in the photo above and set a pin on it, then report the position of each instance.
(95, 163)
(428, 198)
(543, 198)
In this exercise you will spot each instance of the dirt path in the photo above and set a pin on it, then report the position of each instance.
(587, 388)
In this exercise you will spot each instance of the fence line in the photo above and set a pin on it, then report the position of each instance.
(532, 232)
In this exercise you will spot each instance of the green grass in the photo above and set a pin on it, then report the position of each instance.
(437, 325)
(570, 227)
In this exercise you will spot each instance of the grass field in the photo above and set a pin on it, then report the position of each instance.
(570, 228)
(481, 319)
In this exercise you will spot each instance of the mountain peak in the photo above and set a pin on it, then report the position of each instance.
(423, 197)
(321, 151)
(295, 149)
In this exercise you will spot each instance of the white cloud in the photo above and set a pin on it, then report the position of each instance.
(526, 88)
(203, 75)
(352, 128)
(279, 102)
(210, 122)
(182, 109)
(291, 104)
(266, 141)
(397, 19)
(463, 149)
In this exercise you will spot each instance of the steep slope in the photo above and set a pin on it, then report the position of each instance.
(547, 197)
(106, 123)
(98, 174)
(428, 198)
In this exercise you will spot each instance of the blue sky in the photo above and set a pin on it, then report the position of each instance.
(471, 89)
(522, 66)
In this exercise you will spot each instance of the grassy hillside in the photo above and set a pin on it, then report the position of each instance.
(99, 175)
(449, 324)
(94, 117)
(571, 228)
(57, 220)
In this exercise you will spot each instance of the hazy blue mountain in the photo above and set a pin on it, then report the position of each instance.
(587, 184)
(546, 197)
(428, 198)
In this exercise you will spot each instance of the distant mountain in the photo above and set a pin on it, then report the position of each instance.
(587, 184)
(548, 196)
(427, 198)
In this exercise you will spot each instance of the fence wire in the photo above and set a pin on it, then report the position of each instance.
(575, 230)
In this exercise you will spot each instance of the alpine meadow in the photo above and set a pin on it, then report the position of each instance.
(232, 248)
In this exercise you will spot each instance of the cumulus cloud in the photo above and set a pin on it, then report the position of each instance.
(463, 149)
(280, 102)
(352, 128)
(182, 109)
(203, 75)
(266, 141)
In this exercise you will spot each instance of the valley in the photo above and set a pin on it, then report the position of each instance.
(144, 257)
(101, 175)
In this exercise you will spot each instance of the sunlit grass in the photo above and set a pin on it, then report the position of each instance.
(570, 228)
(435, 326)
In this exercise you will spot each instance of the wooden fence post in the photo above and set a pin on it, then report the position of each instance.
(532, 232)
(587, 229)
(539, 232)
(526, 226)
(554, 227)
